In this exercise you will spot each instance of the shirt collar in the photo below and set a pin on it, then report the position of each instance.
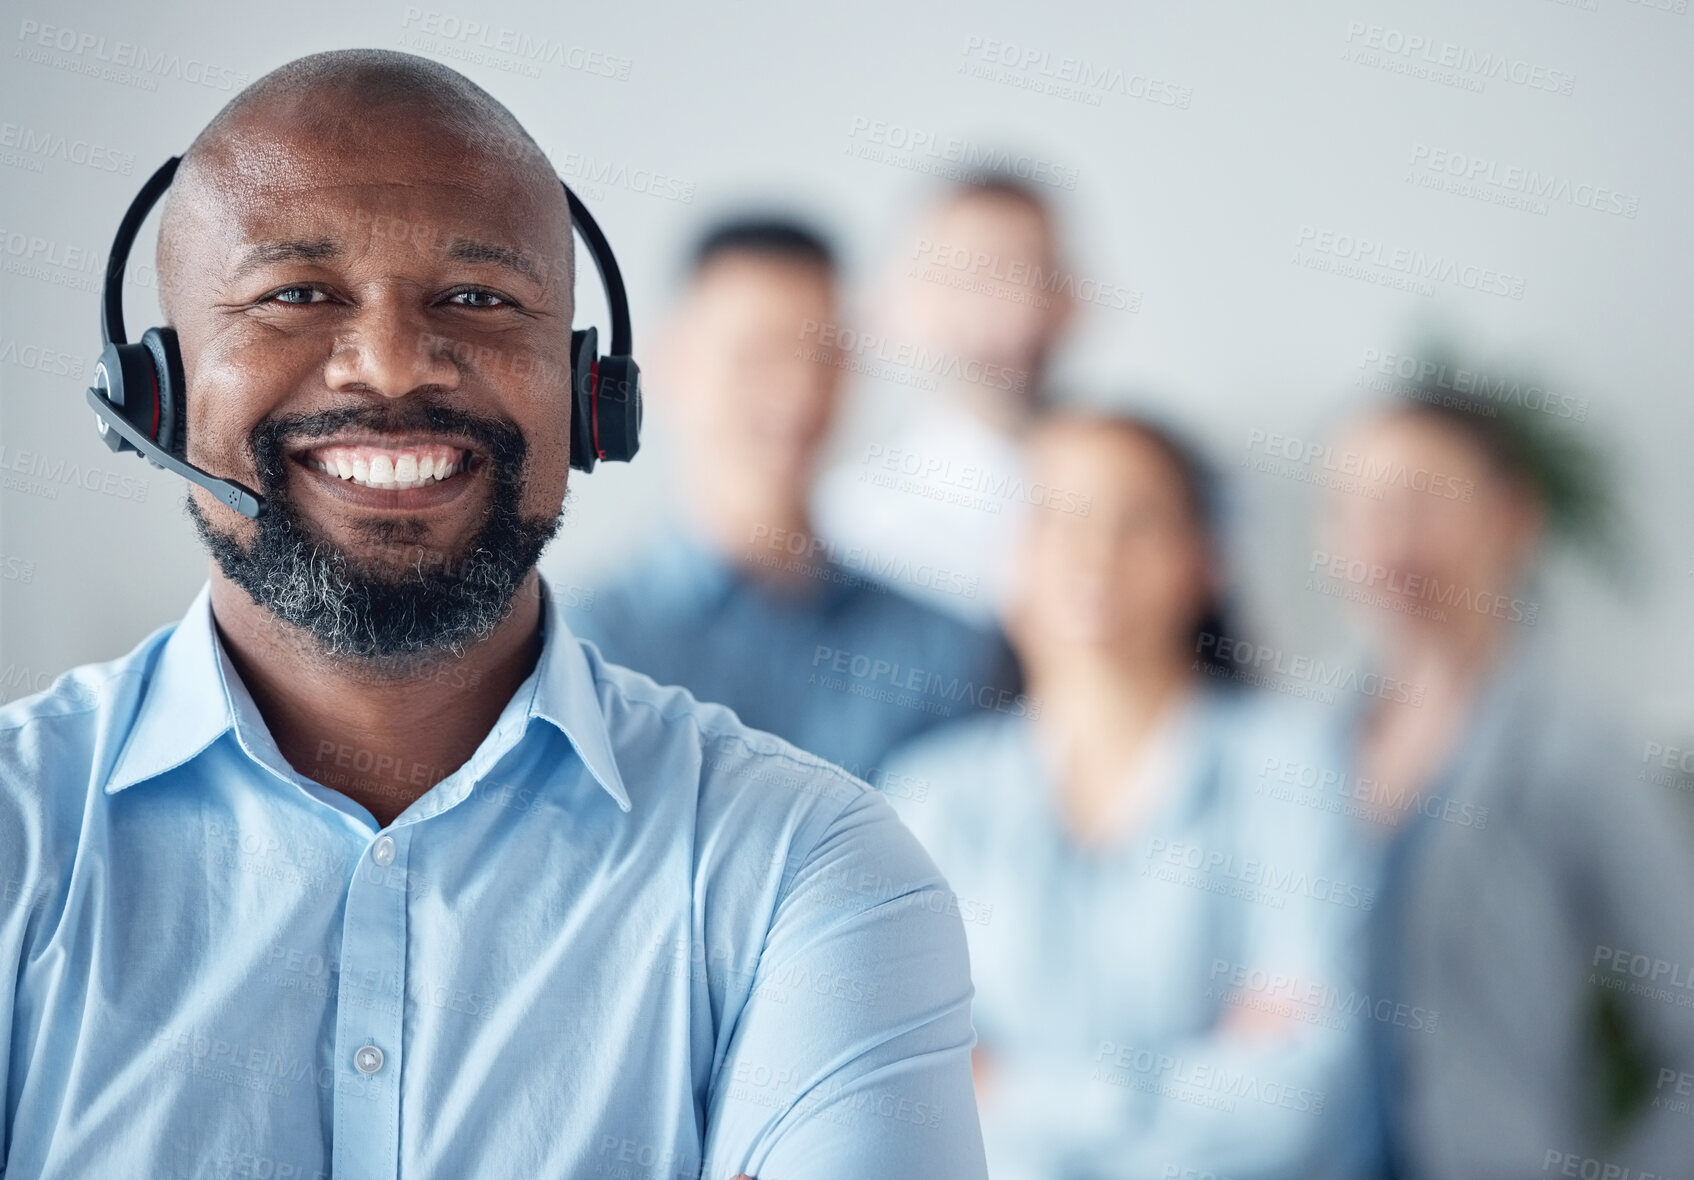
(185, 707)
(567, 694)
(194, 696)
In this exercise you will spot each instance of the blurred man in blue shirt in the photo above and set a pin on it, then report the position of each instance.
(740, 602)
(367, 867)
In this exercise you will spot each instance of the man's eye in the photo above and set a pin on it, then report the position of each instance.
(476, 298)
(298, 295)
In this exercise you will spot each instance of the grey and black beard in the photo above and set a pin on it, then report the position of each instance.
(437, 604)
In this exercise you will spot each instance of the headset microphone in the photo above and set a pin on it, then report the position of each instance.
(238, 496)
(139, 393)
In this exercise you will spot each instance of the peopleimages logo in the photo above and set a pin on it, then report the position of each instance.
(122, 54)
(1397, 584)
(37, 145)
(1414, 49)
(1201, 1083)
(40, 474)
(1019, 273)
(933, 692)
(1413, 266)
(818, 557)
(474, 34)
(1361, 797)
(46, 361)
(926, 151)
(939, 477)
(1470, 385)
(1441, 163)
(1263, 665)
(1313, 1001)
(1070, 77)
(1375, 473)
(33, 248)
(1261, 880)
(928, 362)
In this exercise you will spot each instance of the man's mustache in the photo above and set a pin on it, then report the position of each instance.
(500, 439)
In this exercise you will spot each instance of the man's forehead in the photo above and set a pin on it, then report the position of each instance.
(266, 167)
(735, 289)
(270, 220)
(1009, 221)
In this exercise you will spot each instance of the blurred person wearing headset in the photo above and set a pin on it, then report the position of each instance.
(367, 866)
(739, 600)
(1522, 864)
(969, 326)
(1154, 946)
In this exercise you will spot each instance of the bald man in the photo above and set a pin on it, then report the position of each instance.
(367, 867)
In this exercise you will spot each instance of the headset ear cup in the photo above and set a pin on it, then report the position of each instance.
(584, 342)
(620, 408)
(126, 377)
(162, 345)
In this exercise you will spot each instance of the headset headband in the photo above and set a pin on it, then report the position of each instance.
(139, 390)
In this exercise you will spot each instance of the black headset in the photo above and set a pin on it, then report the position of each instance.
(139, 392)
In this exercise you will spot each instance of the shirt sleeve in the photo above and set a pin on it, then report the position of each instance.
(20, 891)
(14, 891)
(851, 1057)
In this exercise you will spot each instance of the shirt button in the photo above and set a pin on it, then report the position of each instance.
(368, 1059)
(383, 853)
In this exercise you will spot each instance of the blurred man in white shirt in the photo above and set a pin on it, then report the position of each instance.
(979, 308)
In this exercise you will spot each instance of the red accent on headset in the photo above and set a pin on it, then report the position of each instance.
(153, 375)
(594, 406)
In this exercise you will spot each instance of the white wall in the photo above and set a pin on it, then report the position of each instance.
(1195, 208)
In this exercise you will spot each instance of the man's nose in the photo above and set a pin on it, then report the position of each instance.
(390, 349)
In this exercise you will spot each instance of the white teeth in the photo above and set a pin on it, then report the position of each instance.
(397, 473)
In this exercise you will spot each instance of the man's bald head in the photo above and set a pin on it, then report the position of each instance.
(367, 106)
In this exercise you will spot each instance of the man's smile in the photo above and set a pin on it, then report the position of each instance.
(399, 474)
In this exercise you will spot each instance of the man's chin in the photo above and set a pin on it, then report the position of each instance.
(398, 562)
(387, 608)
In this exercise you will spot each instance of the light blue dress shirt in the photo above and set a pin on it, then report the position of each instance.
(835, 663)
(629, 938)
(1108, 974)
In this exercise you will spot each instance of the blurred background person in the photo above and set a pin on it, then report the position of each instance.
(1146, 933)
(738, 601)
(1522, 865)
(981, 302)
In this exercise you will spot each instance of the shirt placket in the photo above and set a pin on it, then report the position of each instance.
(370, 1005)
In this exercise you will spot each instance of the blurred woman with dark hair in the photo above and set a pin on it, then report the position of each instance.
(1146, 933)
(1517, 858)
